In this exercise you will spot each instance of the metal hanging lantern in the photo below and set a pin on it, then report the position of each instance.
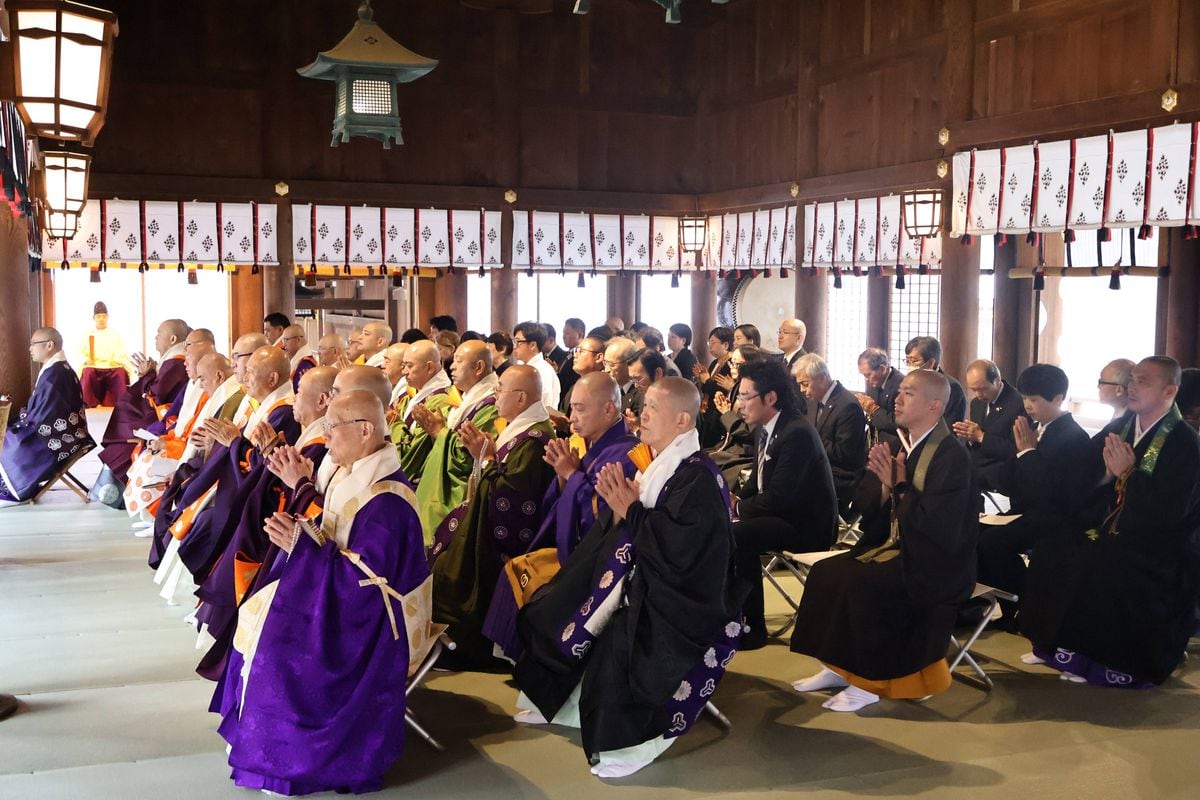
(65, 177)
(60, 224)
(367, 65)
(692, 233)
(62, 53)
(922, 213)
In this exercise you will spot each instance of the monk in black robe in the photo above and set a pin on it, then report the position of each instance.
(1112, 601)
(879, 617)
(630, 638)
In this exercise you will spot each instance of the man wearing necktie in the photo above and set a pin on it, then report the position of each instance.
(789, 502)
(840, 422)
(988, 430)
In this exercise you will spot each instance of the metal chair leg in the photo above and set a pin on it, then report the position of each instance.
(720, 718)
(411, 720)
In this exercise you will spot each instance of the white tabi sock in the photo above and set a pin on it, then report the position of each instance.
(1032, 660)
(628, 760)
(825, 679)
(1071, 677)
(850, 699)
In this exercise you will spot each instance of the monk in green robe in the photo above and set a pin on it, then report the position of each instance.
(443, 485)
(428, 386)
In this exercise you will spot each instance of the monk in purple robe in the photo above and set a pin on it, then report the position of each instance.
(223, 486)
(571, 500)
(333, 720)
(148, 399)
(50, 430)
(260, 493)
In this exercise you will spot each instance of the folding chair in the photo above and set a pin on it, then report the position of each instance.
(799, 564)
(962, 653)
(717, 716)
(65, 477)
(443, 643)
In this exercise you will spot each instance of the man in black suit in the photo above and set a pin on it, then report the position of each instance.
(551, 351)
(573, 333)
(619, 352)
(840, 422)
(988, 430)
(788, 502)
(791, 336)
(1045, 477)
(925, 352)
(879, 401)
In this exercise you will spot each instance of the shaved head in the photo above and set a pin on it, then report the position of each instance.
(921, 400)
(51, 335)
(292, 339)
(361, 378)
(670, 409)
(422, 361)
(191, 359)
(267, 370)
(356, 426)
(359, 404)
(176, 327)
(320, 379)
(520, 388)
(248, 343)
(201, 336)
(932, 385)
(595, 405)
(393, 362)
(472, 363)
(213, 369)
(682, 395)
(330, 348)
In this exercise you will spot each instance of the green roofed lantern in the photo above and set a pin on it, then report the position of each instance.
(366, 65)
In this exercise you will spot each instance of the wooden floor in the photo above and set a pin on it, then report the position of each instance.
(112, 709)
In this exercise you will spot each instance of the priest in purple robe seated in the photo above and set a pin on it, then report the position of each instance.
(498, 519)
(599, 437)
(260, 493)
(322, 650)
(629, 640)
(146, 401)
(50, 431)
(218, 490)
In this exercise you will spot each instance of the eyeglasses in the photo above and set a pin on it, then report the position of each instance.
(1109, 383)
(290, 338)
(782, 332)
(613, 364)
(328, 428)
(914, 362)
(520, 341)
(744, 397)
(39, 341)
(242, 355)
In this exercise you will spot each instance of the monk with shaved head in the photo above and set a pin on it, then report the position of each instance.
(363, 378)
(879, 616)
(372, 343)
(600, 437)
(330, 349)
(294, 342)
(443, 482)
(327, 604)
(144, 406)
(501, 520)
(428, 386)
(629, 670)
(393, 368)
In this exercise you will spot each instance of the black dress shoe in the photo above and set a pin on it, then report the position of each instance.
(8, 704)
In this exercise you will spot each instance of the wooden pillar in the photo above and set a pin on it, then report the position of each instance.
(506, 136)
(19, 317)
(704, 312)
(279, 282)
(811, 304)
(622, 297)
(246, 302)
(450, 297)
(1180, 326)
(959, 305)
(1014, 316)
(879, 305)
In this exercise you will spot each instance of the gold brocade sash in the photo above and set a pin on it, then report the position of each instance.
(891, 548)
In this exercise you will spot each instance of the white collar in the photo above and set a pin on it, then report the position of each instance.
(210, 409)
(439, 381)
(377, 359)
(486, 387)
(59, 357)
(312, 432)
(1138, 433)
(909, 446)
(281, 392)
(522, 422)
(665, 464)
(175, 350)
(769, 426)
(537, 359)
(345, 495)
(191, 401)
(301, 354)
